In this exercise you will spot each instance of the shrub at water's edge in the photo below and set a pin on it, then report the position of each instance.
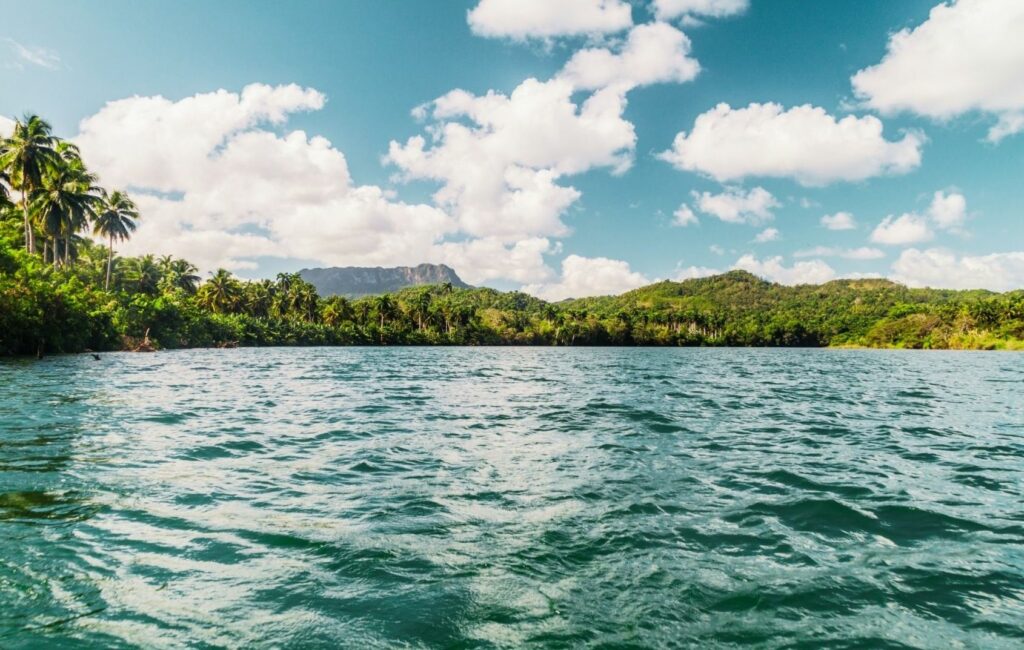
(62, 292)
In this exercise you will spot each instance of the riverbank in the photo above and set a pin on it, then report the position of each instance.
(161, 304)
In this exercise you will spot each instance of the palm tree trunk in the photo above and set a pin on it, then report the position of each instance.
(30, 243)
(67, 244)
(110, 259)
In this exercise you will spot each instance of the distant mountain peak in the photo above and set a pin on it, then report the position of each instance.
(355, 281)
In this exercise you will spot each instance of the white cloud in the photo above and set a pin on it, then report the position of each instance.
(772, 268)
(694, 272)
(498, 158)
(736, 206)
(589, 276)
(216, 187)
(169, 146)
(669, 9)
(839, 221)
(943, 269)
(523, 19)
(716, 249)
(862, 253)
(967, 56)
(948, 211)
(804, 143)
(480, 260)
(908, 228)
(34, 55)
(6, 127)
(767, 235)
(684, 216)
(653, 53)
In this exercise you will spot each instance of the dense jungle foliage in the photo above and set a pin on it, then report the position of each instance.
(61, 291)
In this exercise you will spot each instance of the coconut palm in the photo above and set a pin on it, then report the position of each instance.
(258, 298)
(115, 219)
(178, 274)
(220, 293)
(385, 306)
(66, 200)
(421, 307)
(5, 180)
(28, 153)
(334, 310)
(143, 274)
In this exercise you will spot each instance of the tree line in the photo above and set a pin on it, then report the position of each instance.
(63, 288)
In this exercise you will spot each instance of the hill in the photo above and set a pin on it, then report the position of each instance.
(355, 281)
(155, 303)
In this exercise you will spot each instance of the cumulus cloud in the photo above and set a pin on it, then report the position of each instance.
(589, 276)
(948, 210)
(499, 158)
(214, 185)
(967, 56)
(767, 235)
(6, 127)
(944, 269)
(653, 53)
(839, 221)
(804, 143)
(736, 206)
(773, 268)
(543, 19)
(694, 272)
(684, 216)
(669, 9)
(908, 228)
(168, 146)
(862, 253)
(480, 260)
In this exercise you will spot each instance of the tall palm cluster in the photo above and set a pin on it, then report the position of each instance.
(58, 197)
(289, 296)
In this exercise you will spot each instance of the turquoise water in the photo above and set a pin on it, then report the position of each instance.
(462, 498)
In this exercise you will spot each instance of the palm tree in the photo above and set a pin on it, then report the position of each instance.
(5, 180)
(144, 273)
(334, 310)
(28, 153)
(186, 275)
(178, 274)
(221, 292)
(385, 307)
(66, 199)
(421, 306)
(258, 298)
(115, 220)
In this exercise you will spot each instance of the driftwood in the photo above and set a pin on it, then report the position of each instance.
(145, 345)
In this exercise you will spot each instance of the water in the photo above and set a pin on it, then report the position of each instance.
(463, 498)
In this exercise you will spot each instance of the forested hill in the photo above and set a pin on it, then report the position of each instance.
(44, 309)
(742, 309)
(63, 291)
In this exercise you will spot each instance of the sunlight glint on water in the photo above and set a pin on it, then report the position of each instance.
(508, 497)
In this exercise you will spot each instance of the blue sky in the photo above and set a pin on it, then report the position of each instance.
(585, 202)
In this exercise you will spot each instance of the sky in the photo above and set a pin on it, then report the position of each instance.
(566, 148)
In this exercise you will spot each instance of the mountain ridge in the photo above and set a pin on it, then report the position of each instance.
(356, 281)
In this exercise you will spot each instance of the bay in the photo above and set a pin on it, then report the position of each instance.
(508, 497)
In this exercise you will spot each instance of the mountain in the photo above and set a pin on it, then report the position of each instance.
(355, 281)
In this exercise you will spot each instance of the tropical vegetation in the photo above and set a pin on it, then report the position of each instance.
(63, 291)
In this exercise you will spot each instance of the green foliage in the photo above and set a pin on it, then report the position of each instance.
(73, 294)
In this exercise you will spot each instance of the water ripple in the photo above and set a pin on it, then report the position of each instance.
(463, 498)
